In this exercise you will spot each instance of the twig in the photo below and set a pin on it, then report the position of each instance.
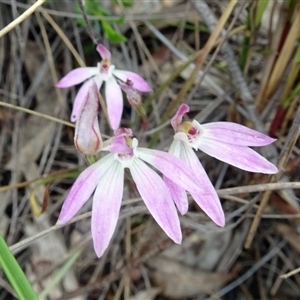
(259, 188)
(223, 192)
(285, 154)
(201, 59)
(274, 251)
(21, 18)
(235, 71)
(291, 273)
(32, 112)
(64, 38)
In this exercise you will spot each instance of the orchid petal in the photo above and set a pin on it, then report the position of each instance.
(87, 137)
(133, 96)
(79, 99)
(172, 167)
(177, 119)
(238, 156)
(77, 76)
(138, 82)
(114, 101)
(157, 199)
(104, 52)
(209, 200)
(83, 188)
(177, 193)
(236, 134)
(106, 206)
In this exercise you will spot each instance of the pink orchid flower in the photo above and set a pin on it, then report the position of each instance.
(87, 137)
(103, 72)
(106, 177)
(225, 141)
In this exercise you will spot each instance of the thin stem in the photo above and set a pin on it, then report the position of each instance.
(89, 28)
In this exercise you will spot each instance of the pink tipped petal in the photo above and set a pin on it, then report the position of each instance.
(157, 199)
(232, 133)
(172, 167)
(114, 101)
(83, 188)
(106, 206)
(178, 194)
(104, 53)
(208, 200)
(177, 119)
(238, 156)
(87, 137)
(137, 81)
(77, 76)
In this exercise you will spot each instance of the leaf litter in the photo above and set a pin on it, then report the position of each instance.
(211, 263)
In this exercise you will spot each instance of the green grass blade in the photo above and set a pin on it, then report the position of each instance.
(15, 274)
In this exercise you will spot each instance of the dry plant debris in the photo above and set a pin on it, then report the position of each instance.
(235, 61)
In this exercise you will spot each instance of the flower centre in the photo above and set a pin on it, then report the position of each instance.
(105, 69)
(190, 130)
(125, 158)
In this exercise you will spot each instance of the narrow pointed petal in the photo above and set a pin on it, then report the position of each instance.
(208, 200)
(236, 134)
(77, 76)
(114, 101)
(157, 199)
(138, 82)
(104, 53)
(177, 119)
(172, 167)
(106, 207)
(83, 188)
(177, 193)
(87, 137)
(238, 156)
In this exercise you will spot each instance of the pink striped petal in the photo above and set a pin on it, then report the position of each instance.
(81, 95)
(83, 188)
(104, 53)
(208, 200)
(238, 156)
(172, 167)
(87, 137)
(77, 76)
(157, 199)
(177, 119)
(138, 82)
(177, 193)
(106, 206)
(114, 101)
(236, 134)
(79, 100)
